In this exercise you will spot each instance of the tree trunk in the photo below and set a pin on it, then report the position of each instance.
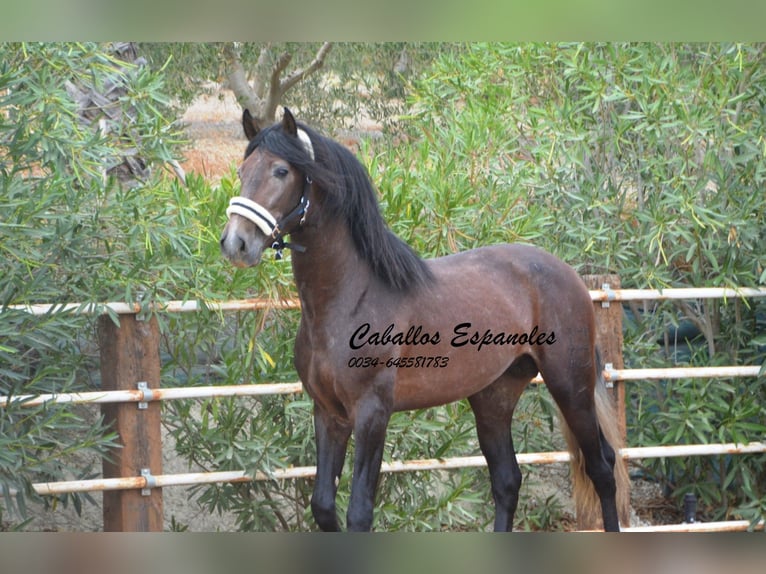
(263, 96)
(237, 79)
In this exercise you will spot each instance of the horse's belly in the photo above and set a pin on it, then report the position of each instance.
(421, 383)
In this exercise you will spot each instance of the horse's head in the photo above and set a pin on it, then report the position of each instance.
(274, 190)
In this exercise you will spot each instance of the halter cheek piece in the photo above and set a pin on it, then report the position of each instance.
(266, 222)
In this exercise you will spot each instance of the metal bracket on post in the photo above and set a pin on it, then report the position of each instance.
(148, 395)
(151, 482)
(610, 374)
(610, 295)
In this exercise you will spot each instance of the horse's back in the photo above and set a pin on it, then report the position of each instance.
(519, 264)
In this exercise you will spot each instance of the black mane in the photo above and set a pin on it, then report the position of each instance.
(351, 197)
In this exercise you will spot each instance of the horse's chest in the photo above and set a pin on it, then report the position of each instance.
(319, 369)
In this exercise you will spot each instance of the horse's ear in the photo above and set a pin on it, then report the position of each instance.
(288, 123)
(249, 125)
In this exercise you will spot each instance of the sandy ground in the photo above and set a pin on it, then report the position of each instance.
(213, 125)
(179, 508)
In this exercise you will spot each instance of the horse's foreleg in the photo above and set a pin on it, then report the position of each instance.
(370, 424)
(493, 408)
(331, 440)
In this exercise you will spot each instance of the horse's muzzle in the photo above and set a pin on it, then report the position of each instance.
(240, 246)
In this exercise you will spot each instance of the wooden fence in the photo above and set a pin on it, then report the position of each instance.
(131, 393)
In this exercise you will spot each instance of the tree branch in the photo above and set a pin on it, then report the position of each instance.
(275, 91)
(316, 63)
(701, 321)
(263, 96)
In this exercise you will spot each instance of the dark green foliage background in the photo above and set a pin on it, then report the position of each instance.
(643, 160)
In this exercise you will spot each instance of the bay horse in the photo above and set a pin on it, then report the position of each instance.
(383, 330)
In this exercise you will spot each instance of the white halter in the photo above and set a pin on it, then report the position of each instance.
(254, 212)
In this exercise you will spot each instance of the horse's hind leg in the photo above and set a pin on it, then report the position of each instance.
(573, 391)
(331, 440)
(493, 408)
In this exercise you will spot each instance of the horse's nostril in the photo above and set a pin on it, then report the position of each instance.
(233, 243)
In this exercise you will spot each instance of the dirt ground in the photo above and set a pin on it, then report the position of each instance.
(217, 143)
(214, 128)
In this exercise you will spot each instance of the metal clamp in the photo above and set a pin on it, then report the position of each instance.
(609, 375)
(147, 395)
(610, 295)
(151, 481)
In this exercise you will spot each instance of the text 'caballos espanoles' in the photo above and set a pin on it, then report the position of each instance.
(463, 334)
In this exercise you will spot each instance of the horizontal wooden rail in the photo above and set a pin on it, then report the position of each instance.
(293, 303)
(167, 307)
(676, 293)
(722, 526)
(137, 396)
(452, 463)
(161, 394)
(681, 373)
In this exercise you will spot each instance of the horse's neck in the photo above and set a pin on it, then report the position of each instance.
(330, 273)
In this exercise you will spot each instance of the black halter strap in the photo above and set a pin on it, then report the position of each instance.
(280, 230)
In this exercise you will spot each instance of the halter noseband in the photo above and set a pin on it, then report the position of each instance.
(266, 222)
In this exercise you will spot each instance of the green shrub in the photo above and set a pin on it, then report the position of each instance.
(70, 231)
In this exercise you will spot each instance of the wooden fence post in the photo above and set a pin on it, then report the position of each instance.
(609, 340)
(129, 356)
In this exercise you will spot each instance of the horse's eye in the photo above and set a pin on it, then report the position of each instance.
(281, 172)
